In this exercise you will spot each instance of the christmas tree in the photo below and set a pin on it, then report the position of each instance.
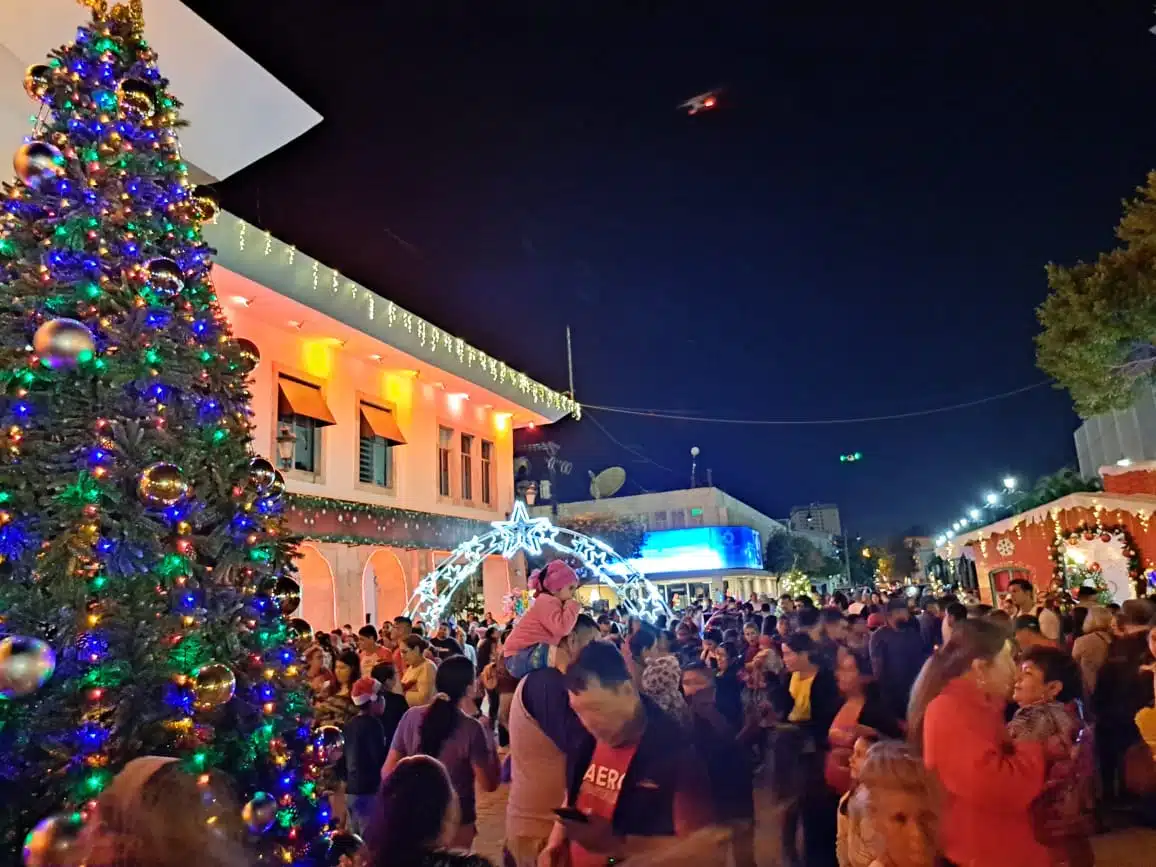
(144, 567)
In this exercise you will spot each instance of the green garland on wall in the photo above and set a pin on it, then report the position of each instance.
(413, 529)
(370, 540)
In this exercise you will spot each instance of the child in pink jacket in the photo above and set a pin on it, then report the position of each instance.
(549, 620)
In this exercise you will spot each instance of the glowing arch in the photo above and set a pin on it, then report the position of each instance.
(636, 593)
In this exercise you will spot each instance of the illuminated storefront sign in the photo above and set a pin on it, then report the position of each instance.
(699, 549)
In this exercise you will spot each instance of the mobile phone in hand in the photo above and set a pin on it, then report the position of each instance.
(567, 814)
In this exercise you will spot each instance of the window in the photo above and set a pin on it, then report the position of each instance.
(695, 519)
(301, 409)
(660, 520)
(467, 467)
(487, 472)
(445, 443)
(379, 435)
(677, 518)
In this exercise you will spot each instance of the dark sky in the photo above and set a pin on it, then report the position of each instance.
(859, 229)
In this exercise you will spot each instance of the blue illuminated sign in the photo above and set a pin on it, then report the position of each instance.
(699, 549)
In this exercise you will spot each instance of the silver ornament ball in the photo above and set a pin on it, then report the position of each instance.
(25, 665)
(64, 343)
(53, 842)
(259, 813)
(38, 161)
(262, 472)
(164, 276)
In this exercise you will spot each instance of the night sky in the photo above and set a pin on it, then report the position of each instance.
(860, 228)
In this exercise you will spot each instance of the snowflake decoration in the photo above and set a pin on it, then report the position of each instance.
(1006, 547)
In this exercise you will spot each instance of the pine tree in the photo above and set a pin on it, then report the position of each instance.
(141, 541)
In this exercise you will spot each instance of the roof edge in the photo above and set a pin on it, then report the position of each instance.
(256, 254)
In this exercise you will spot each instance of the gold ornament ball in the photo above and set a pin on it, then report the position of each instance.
(137, 98)
(262, 472)
(38, 161)
(204, 204)
(250, 354)
(213, 686)
(64, 343)
(161, 485)
(52, 843)
(299, 630)
(287, 593)
(259, 813)
(38, 81)
(328, 745)
(164, 276)
(25, 665)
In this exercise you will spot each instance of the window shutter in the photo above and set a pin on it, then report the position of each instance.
(365, 462)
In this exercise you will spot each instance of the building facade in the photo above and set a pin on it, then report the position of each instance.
(817, 517)
(1119, 437)
(395, 437)
(1104, 539)
(698, 542)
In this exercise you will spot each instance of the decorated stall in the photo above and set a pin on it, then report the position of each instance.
(1099, 539)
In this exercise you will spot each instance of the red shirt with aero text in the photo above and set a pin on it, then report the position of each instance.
(598, 794)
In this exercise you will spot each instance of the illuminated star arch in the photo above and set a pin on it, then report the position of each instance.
(520, 532)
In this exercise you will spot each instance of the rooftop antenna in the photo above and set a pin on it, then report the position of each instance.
(570, 361)
(607, 483)
(694, 466)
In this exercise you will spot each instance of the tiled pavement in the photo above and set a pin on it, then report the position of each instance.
(1128, 848)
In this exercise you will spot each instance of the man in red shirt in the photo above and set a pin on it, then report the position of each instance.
(631, 773)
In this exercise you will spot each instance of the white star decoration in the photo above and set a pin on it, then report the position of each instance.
(523, 533)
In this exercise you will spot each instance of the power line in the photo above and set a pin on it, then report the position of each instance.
(642, 457)
(673, 416)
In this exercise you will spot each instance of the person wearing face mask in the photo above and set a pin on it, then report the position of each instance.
(989, 781)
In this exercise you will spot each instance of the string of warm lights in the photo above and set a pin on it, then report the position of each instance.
(304, 278)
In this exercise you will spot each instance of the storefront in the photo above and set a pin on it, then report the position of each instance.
(1101, 539)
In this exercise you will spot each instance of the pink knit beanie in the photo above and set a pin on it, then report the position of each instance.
(553, 577)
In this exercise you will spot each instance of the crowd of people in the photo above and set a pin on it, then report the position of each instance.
(903, 731)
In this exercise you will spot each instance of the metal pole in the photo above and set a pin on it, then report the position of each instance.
(570, 361)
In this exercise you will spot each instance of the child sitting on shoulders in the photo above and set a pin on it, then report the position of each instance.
(555, 611)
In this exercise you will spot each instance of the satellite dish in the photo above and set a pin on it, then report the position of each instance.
(607, 482)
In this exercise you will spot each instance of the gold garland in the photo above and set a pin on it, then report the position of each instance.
(130, 14)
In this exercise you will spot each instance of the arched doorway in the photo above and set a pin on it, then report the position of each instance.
(383, 586)
(318, 592)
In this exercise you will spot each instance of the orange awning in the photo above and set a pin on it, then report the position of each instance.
(378, 422)
(297, 398)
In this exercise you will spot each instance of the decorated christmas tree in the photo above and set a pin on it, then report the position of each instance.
(144, 567)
